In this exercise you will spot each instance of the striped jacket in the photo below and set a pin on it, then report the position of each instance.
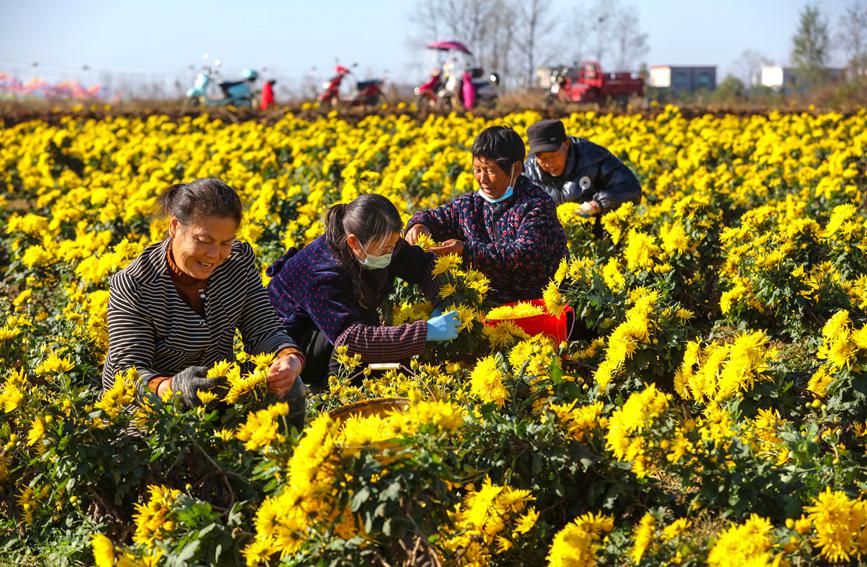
(152, 328)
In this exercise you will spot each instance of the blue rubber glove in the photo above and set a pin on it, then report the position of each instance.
(437, 312)
(444, 327)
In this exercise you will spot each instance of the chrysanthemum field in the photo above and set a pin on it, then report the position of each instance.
(715, 413)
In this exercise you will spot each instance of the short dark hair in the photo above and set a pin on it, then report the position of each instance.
(500, 144)
(201, 198)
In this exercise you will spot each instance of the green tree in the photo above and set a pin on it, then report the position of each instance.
(811, 46)
(730, 89)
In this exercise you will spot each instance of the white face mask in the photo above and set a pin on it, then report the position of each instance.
(372, 262)
(509, 190)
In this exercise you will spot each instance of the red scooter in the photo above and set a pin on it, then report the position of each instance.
(427, 95)
(367, 93)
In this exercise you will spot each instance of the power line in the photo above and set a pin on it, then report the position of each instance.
(286, 71)
(30, 59)
(36, 66)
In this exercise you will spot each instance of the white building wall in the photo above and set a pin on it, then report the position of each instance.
(772, 76)
(660, 77)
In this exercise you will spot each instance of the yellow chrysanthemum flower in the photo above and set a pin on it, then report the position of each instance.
(580, 541)
(520, 310)
(486, 382)
(446, 263)
(103, 551)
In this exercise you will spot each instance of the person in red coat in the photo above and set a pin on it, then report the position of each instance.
(268, 95)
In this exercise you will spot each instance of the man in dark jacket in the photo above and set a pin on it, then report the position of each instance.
(575, 170)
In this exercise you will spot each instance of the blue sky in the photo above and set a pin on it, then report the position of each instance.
(163, 37)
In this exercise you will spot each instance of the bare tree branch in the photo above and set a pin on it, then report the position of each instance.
(536, 24)
(851, 37)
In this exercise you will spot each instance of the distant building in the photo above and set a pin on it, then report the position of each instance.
(682, 79)
(787, 79)
(779, 78)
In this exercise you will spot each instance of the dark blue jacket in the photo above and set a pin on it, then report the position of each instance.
(592, 173)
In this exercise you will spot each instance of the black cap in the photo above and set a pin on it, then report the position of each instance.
(546, 136)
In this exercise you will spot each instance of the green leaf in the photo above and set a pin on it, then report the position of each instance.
(360, 498)
(391, 493)
(187, 553)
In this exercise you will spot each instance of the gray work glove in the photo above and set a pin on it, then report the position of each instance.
(189, 381)
(297, 400)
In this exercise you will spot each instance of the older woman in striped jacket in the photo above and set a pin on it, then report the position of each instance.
(174, 310)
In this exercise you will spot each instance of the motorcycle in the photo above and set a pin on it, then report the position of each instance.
(367, 93)
(234, 93)
(454, 87)
(427, 94)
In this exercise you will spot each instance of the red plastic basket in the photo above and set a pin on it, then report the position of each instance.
(544, 324)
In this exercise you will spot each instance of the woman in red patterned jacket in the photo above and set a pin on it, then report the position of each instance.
(508, 229)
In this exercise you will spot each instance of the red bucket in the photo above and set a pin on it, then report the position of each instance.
(545, 324)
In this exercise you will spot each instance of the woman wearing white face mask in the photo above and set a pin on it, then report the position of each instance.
(508, 229)
(328, 293)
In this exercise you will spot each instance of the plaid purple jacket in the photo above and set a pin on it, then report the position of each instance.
(517, 243)
(310, 290)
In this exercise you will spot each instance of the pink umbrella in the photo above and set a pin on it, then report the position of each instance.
(448, 46)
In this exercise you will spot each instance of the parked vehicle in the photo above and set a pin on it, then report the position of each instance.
(589, 84)
(331, 88)
(367, 93)
(427, 94)
(456, 82)
(470, 89)
(234, 93)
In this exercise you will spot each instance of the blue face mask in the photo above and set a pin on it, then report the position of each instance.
(509, 190)
(375, 262)
(503, 197)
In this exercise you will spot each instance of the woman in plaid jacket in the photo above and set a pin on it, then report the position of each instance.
(508, 229)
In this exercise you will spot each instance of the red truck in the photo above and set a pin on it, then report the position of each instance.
(587, 83)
